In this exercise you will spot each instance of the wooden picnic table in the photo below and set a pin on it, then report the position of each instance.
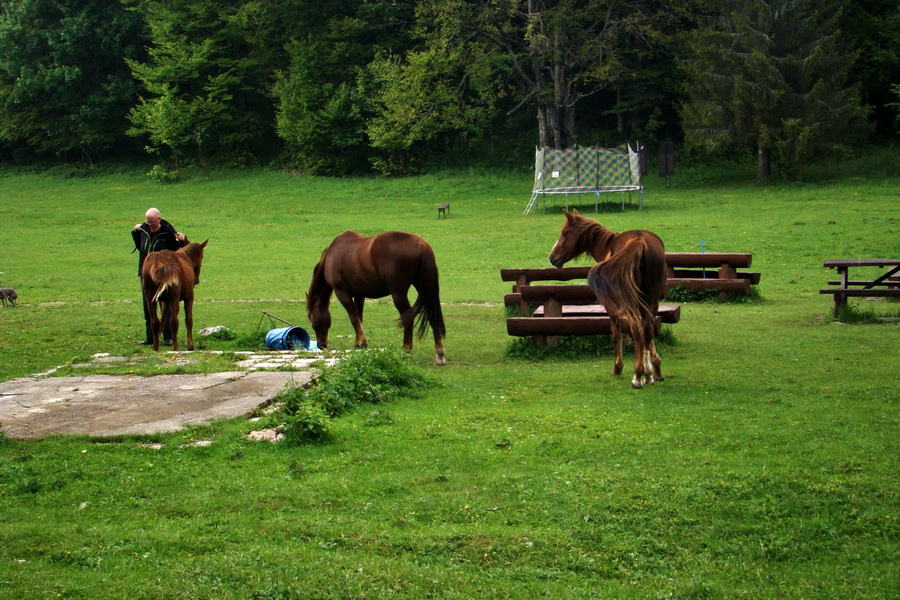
(886, 285)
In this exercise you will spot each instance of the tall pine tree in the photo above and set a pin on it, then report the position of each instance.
(770, 74)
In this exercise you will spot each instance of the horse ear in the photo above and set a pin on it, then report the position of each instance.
(569, 216)
(203, 245)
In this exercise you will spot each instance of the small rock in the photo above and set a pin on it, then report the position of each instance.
(212, 330)
(266, 435)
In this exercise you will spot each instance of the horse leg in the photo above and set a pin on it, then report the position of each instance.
(155, 323)
(640, 357)
(401, 303)
(617, 344)
(643, 365)
(656, 361)
(351, 305)
(173, 323)
(439, 359)
(189, 322)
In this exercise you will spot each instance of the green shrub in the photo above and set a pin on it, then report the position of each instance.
(362, 377)
(161, 174)
(308, 424)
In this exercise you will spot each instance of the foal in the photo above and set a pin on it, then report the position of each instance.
(629, 279)
(168, 278)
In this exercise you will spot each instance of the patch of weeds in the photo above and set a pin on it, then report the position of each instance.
(224, 334)
(250, 341)
(680, 294)
(567, 347)
(852, 314)
(364, 377)
(570, 347)
(377, 418)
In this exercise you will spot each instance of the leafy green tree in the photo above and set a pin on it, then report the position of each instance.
(546, 54)
(323, 96)
(770, 74)
(64, 85)
(207, 77)
(432, 98)
(872, 27)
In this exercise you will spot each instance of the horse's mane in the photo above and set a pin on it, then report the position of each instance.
(319, 289)
(591, 234)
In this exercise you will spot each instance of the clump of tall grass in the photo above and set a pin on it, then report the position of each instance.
(680, 294)
(853, 314)
(364, 377)
(570, 347)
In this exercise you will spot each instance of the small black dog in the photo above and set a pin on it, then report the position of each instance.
(10, 295)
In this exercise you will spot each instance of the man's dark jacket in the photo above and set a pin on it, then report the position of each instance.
(146, 242)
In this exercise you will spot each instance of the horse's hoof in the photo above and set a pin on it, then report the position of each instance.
(440, 362)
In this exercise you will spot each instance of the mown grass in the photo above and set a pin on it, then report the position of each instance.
(764, 466)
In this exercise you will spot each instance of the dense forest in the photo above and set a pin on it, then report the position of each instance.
(396, 86)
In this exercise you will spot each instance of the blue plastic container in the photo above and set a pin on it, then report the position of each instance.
(288, 338)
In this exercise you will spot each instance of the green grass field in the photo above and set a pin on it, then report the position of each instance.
(764, 466)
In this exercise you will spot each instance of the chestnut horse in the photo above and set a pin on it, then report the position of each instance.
(168, 278)
(356, 267)
(629, 279)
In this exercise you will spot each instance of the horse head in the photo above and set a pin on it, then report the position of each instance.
(568, 246)
(317, 301)
(580, 235)
(194, 252)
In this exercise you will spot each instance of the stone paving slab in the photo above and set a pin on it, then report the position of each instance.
(108, 405)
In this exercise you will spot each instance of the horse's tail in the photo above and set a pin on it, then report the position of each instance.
(614, 284)
(164, 276)
(427, 308)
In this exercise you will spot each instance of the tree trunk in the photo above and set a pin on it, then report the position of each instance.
(763, 164)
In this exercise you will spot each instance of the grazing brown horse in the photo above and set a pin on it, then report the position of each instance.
(356, 267)
(629, 280)
(168, 278)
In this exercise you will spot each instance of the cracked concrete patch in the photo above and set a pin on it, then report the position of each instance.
(109, 405)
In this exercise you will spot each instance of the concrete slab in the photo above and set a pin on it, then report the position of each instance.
(107, 405)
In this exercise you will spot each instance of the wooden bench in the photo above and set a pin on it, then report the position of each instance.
(562, 309)
(443, 209)
(886, 285)
(685, 269)
(688, 270)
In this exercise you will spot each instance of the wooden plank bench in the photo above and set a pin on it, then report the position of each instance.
(685, 269)
(565, 309)
(688, 270)
(886, 285)
(443, 209)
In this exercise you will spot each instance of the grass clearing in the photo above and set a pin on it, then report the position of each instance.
(764, 466)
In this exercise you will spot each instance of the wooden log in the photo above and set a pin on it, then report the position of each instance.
(880, 292)
(668, 313)
(709, 260)
(567, 294)
(558, 326)
(549, 274)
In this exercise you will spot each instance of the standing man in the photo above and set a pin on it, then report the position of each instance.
(155, 233)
